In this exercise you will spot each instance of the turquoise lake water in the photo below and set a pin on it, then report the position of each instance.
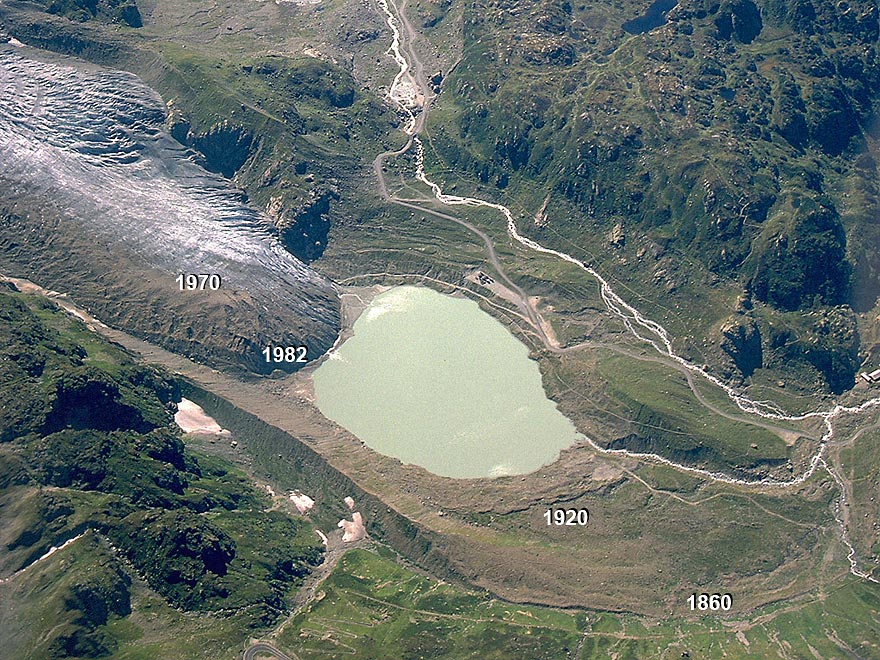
(433, 380)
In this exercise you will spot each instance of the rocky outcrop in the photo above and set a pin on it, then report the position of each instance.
(739, 20)
(548, 50)
(55, 34)
(87, 398)
(131, 16)
(831, 345)
(112, 11)
(802, 263)
(224, 145)
(742, 342)
(831, 118)
(788, 118)
(180, 551)
(304, 228)
(101, 589)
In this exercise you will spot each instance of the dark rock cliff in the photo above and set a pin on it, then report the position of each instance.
(742, 342)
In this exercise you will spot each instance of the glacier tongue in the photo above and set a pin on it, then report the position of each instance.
(87, 147)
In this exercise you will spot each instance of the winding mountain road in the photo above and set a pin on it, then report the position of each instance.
(262, 649)
(414, 111)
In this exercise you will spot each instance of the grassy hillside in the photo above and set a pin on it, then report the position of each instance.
(89, 451)
(372, 608)
(730, 150)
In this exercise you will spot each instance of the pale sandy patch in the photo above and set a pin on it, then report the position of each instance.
(546, 326)
(408, 94)
(488, 282)
(606, 472)
(501, 470)
(790, 438)
(396, 303)
(349, 502)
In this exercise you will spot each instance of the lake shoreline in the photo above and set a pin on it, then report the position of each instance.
(462, 398)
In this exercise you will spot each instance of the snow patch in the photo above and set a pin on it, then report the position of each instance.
(353, 530)
(192, 418)
(301, 501)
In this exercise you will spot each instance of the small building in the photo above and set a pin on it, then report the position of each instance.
(872, 377)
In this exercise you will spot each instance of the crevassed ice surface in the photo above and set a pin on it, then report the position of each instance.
(91, 143)
(435, 381)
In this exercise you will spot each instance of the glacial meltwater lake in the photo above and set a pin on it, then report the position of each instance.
(434, 381)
